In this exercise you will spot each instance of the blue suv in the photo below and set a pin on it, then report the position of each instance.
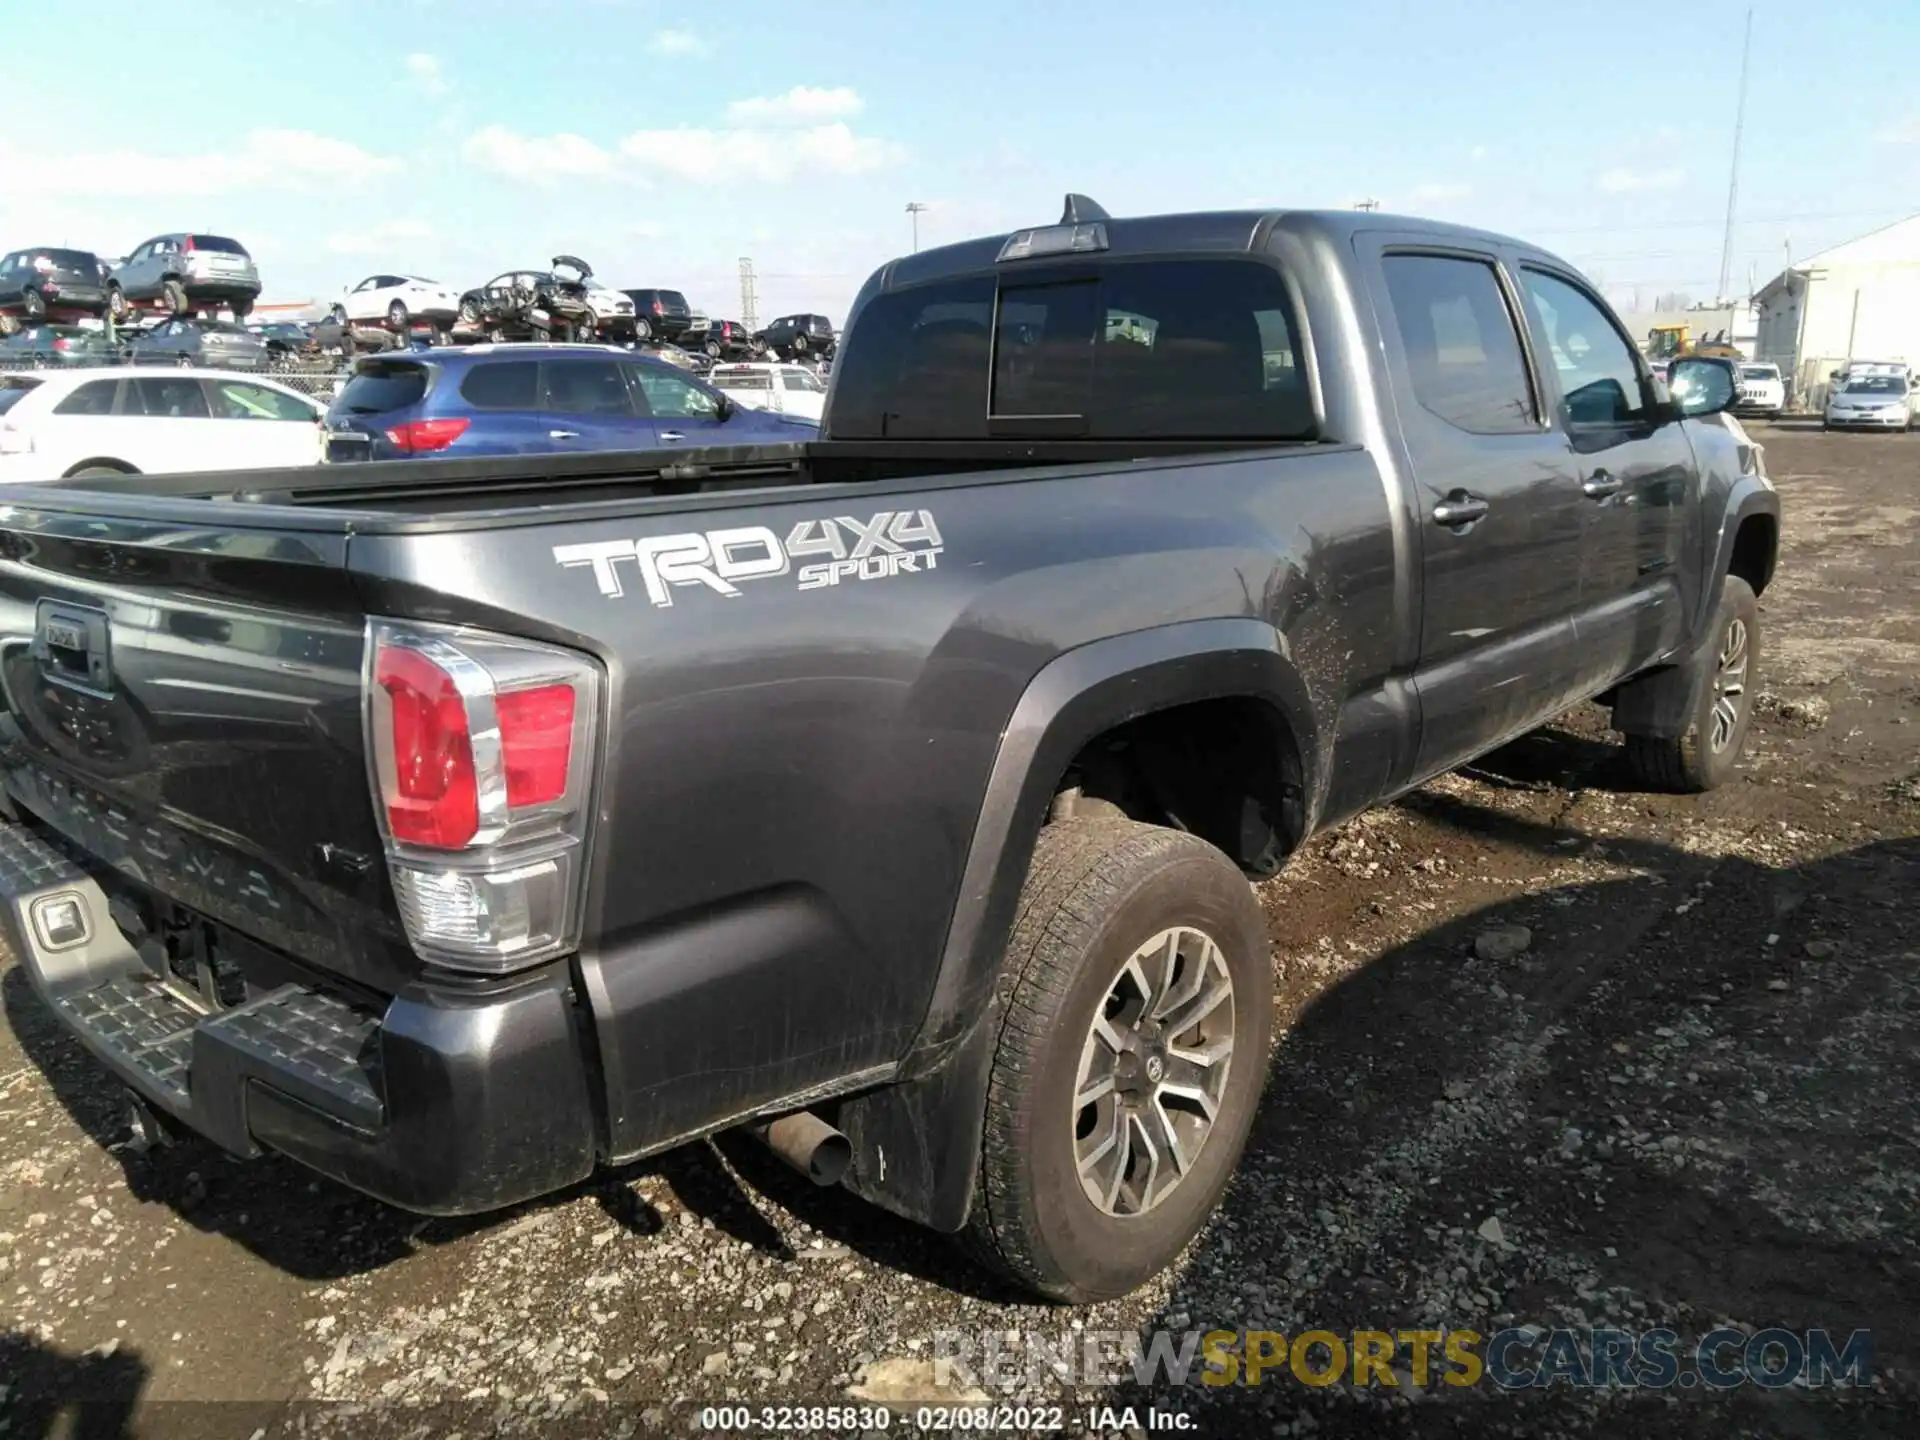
(531, 399)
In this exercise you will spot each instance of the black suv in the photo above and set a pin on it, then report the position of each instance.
(730, 340)
(50, 284)
(797, 337)
(665, 313)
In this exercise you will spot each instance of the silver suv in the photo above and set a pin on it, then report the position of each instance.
(183, 274)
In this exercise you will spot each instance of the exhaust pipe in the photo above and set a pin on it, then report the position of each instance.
(808, 1144)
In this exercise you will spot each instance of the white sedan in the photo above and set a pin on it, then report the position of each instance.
(399, 302)
(784, 389)
(1870, 402)
(151, 419)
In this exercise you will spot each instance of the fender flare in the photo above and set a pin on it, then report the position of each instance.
(917, 1142)
(1660, 704)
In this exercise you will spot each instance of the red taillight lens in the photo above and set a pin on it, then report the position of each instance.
(536, 743)
(187, 249)
(434, 798)
(63, 344)
(418, 437)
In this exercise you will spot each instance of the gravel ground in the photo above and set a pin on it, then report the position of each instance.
(1556, 1054)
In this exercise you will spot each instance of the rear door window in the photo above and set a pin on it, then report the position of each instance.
(378, 389)
(93, 398)
(218, 242)
(1464, 359)
(503, 385)
(169, 399)
(587, 387)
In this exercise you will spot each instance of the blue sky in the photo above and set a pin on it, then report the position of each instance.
(661, 141)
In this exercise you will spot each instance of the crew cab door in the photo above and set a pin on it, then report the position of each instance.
(1637, 474)
(1500, 511)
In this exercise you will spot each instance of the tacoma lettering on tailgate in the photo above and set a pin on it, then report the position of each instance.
(893, 542)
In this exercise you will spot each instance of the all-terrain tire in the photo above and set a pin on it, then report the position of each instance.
(1704, 757)
(1098, 889)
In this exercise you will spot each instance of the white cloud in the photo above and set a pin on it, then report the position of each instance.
(376, 239)
(1620, 181)
(719, 156)
(428, 78)
(1907, 132)
(536, 159)
(802, 105)
(1479, 152)
(267, 159)
(677, 42)
(1441, 190)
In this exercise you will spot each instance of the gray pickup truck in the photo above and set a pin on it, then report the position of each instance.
(458, 829)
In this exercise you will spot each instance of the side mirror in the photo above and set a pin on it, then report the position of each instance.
(1701, 386)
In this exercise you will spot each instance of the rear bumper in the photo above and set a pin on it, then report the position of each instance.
(444, 1102)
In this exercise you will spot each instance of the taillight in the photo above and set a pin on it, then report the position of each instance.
(187, 249)
(420, 437)
(63, 343)
(481, 750)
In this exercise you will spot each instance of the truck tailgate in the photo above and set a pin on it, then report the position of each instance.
(184, 707)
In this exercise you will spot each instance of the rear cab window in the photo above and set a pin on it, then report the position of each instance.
(379, 388)
(1118, 350)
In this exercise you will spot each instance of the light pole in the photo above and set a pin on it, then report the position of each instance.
(914, 210)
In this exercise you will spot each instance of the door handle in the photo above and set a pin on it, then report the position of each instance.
(1599, 485)
(563, 434)
(1460, 508)
(671, 435)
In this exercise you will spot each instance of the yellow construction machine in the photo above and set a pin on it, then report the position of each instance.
(1667, 343)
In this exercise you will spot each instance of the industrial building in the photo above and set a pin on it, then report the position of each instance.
(1857, 301)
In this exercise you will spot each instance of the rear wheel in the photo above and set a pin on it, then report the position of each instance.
(585, 329)
(33, 305)
(1707, 753)
(174, 295)
(1129, 1060)
(117, 305)
(241, 309)
(397, 317)
(86, 471)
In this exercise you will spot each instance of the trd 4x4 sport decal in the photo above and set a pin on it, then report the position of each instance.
(894, 542)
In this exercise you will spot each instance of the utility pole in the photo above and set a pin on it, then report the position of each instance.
(1366, 205)
(915, 209)
(749, 302)
(1733, 177)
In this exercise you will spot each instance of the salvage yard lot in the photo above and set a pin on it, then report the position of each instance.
(1686, 1094)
